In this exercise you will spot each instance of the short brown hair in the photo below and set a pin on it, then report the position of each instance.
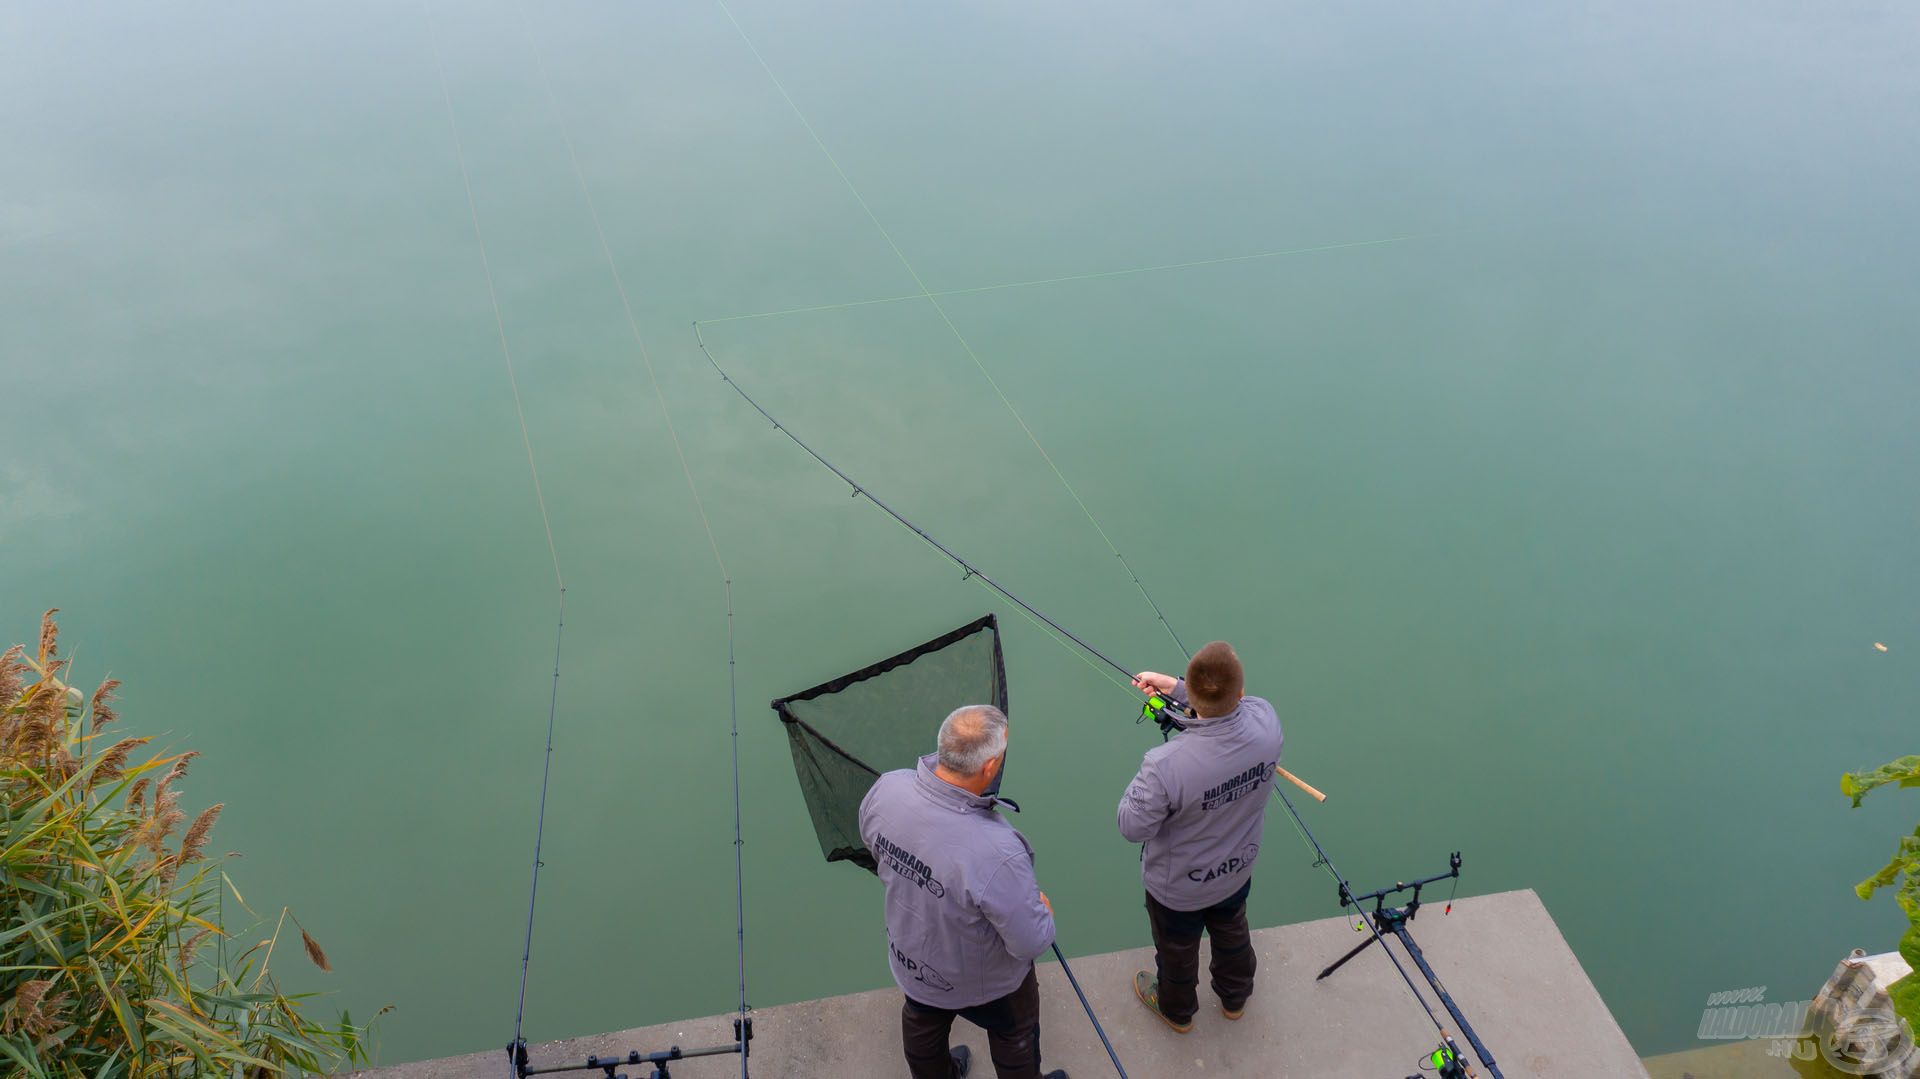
(1215, 679)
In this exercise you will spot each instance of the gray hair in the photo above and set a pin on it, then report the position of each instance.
(972, 735)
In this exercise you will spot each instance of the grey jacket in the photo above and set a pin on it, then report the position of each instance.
(964, 917)
(1199, 803)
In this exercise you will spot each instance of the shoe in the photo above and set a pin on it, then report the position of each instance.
(1147, 988)
(1232, 1013)
(1057, 1073)
(962, 1060)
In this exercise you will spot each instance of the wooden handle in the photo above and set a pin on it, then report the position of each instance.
(1301, 783)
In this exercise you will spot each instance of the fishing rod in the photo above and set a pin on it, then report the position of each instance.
(1446, 1059)
(971, 571)
(968, 568)
(1396, 919)
(1097, 1028)
(1168, 721)
(860, 491)
(517, 1053)
(743, 1021)
(519, 1044)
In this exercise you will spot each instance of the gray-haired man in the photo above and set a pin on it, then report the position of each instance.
(965, 917)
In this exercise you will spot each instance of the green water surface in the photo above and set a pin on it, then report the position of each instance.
(1560, 528)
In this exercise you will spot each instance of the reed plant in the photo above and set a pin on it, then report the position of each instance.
(115, 954)
(1901, 874)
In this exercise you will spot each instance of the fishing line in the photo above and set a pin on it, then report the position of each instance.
(929, 296)
(699, 505)
(680, 454)
(1345, 889)
(526, 440)
(1058, 280)
(1086, 653)
(1027, 609)
(1127, 567)
(860, 491)
(1064, 635)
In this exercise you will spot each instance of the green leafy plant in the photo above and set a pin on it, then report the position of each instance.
(1903, 869)
(114, 955)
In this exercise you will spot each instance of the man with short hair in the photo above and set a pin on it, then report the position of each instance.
(1197, 807)
(965, 916)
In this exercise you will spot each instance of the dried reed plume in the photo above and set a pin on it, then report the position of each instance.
(90, 860)
(313, 948)
(153, 832)
(49, 635)
(164, 817)
(33, 1013)
(113, 763)
(188, 947)
(41, 724)
(102, 703)
(46, 702)
(61, 765)
(163, 798)
(195, 844)
(160, 822)
(10, 668)
(26, 1000)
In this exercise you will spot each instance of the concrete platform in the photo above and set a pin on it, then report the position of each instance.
(1739, 1060)
(1500, 956)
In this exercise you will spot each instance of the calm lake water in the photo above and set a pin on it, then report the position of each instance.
(1561, 527)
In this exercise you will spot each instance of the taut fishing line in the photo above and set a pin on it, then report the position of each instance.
(1061, 633)
(1161, 268)
(526, 440)
(928, 295)
(970, 570)
(743, 1026)
(1064, 635)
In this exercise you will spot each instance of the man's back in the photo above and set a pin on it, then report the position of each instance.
(964, 915)
(1198, 805)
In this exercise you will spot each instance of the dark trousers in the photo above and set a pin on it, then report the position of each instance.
(1176, 951)
(1012, 1024)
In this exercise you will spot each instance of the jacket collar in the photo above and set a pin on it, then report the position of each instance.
(1216, 724)
(946, 794)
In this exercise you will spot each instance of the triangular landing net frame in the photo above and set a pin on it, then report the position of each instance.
(843, 733)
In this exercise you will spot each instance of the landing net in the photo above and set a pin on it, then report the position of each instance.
(845, 732)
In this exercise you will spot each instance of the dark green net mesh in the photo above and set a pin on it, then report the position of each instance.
(845, 732)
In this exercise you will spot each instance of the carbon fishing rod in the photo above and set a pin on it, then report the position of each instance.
(518, 1045)
(970, 570)
(539, 831)
(1163, 712)
(1097, 1028)
(742, 1024)
(860, 491)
